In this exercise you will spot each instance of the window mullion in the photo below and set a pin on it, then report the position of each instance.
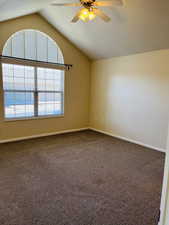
(62, 102)
(36, 94)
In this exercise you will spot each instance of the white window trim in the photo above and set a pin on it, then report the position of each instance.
(33, 91)
(33, 118)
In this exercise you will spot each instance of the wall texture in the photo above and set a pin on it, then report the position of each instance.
(130, 97)
(77, 84)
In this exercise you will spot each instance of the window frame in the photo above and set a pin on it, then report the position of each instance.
(35, 95)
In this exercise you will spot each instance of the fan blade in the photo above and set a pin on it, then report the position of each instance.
(76, 17)
(109, 3)
(66, 4)
(101, 14)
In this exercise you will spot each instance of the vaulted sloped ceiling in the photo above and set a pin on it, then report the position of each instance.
(10, 9)
(143, 25)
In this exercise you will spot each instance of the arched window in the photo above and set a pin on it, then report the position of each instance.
(32, 90)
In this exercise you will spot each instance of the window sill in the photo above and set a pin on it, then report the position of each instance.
(33, 118)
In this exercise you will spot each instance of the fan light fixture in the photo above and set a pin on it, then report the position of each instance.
(90, 10)
(86, 15)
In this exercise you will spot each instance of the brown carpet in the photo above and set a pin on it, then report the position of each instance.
(82, 178)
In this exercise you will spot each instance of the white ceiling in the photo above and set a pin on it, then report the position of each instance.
(14, 8)
(143, 25)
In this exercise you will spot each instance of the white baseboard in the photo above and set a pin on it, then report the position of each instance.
(42, 135)
(81, 129)
(127, 139)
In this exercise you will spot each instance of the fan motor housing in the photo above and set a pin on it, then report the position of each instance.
(87, 3)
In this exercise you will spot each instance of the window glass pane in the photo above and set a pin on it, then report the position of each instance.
(19, 104)
(50, 79)
(7, 70)
(49, 104)
(17, 77)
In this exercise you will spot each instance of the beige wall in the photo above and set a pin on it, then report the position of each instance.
(77, 84)
(130, 97)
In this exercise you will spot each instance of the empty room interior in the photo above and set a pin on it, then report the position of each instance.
(84, 112)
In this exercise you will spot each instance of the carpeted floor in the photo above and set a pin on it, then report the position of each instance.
(82, 178)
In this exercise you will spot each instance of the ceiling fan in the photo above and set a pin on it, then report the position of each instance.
(89, 10)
